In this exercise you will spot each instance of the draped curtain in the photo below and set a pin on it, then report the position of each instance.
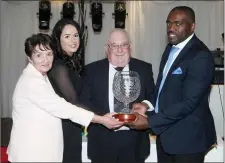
(145, 23)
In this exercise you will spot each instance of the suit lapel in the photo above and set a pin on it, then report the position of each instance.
(162, 65)
(131, 65)
(183, 53)
(104, 77)
(165, 57)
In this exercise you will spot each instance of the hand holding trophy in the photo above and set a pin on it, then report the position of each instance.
(126, 89)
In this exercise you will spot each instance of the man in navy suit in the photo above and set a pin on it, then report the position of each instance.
(121, 145)
(182, 119)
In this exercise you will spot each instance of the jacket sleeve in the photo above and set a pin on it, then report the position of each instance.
(42, 95)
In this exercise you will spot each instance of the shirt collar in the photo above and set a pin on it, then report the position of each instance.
(30, 68)
(183, 43)
(111, 65)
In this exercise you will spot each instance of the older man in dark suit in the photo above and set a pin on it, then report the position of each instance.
(122, 145)
(182, 119)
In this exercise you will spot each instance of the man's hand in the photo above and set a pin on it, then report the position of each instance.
(141, 122)
(140, 108)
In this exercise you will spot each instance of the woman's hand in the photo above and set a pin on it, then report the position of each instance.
(108, 121)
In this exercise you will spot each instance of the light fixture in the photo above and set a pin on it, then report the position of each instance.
(68, 10)
(120, 14)
(96, 13)
(44, 14)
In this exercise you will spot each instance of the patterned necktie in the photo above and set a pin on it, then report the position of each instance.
(165, 71)
(118, 106)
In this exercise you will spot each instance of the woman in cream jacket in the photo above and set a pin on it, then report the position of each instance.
(36, 134)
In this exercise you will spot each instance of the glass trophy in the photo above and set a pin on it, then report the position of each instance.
(126, 89)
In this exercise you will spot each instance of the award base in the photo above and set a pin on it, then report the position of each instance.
(125, 117)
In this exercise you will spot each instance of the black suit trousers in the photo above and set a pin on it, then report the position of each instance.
(164, 157)
(123, 150)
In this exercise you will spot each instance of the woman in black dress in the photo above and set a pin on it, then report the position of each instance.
(64, 77)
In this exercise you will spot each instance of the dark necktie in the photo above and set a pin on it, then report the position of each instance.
(119, 68)
(118, 106)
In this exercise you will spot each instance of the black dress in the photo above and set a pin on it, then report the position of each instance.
(67, 84)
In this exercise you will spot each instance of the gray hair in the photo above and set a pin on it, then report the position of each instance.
(119, 30)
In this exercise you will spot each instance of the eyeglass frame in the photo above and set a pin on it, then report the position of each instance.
(116, 47)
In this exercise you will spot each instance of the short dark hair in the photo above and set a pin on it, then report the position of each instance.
(189, 12)
(38, 39)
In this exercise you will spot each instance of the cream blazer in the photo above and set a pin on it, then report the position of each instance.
(36, 134)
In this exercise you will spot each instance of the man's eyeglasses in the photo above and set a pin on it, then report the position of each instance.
(115, 47)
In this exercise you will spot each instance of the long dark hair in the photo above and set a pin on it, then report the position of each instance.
(74, 61)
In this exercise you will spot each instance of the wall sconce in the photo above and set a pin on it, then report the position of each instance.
(44, 14)
(120, 14)
(68, 10)
(96, 13)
